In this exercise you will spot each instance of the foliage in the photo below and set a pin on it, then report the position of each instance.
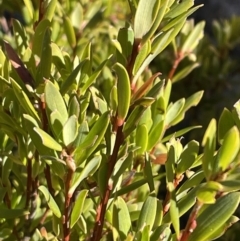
(216, 61)
(83, 123)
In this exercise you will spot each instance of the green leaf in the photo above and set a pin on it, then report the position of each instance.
(97, 132)
(55, 102)
(193, 38)
(222, 230)
(193, 181)
(78, 207)
(47, 140)
(145, 16)
(8, 120)
(180, 133)
(145, 233)
(142, 55)
(57, 57)
(68, 83)
(113, 99)
(148, 212)
(121, 218)
(69, 30)
(179, 8)
(3, 191)
(193, 100)
(188, 157)
(70, 130)
(225, 123)
(131, 187)
(50, 9)
(44, 67)
(207, 192)
(229, 148)
(30, 8)
(209, 143)
(133, 120)
(214, 216)
(20, 35)
(126, 39)
(170, 169)
(24, 100)
(141, 139)
(174, 111)
(95, 75)
(160, 14)
(56, 224)
(50, 201)
(124, 92)
(167, 92)
(88, 170)
(82, 133)
(77, 15)
(159, 215)
(73, 106)
(39, 36)
(159, 232)
(184, 204)
(236, 113)
(35, 137)
(160, 42)
(184, 72)
(7, 213)
(148, 173)
(230, 185)
(174, 210)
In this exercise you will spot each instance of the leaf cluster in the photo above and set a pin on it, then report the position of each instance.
(83, 123)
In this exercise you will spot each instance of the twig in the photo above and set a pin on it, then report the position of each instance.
(177, 60)
(166, 206)
(97, 233)
(131, 61)
(29, 182)
(41, 11)
(68, 200)
(191, 224)
(101, 210)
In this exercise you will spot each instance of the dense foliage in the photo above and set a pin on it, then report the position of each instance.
(87, 117)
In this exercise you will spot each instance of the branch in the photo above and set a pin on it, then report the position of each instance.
(101, 210)
(177, 60)
(191, 224)
(68, 199)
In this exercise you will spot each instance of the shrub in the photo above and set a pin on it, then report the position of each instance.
(83, 124)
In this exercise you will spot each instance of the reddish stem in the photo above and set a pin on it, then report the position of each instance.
(40, 13)
(177, 60)
(68, 202)
(101, 210)
(191, 224)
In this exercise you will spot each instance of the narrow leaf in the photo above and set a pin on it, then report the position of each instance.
(18, 65)
(214, 216)
(121, 218)
(50, 201)
(148, 213)
(88, 170)
(145, 16)
(124, 92)
(78, 207)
